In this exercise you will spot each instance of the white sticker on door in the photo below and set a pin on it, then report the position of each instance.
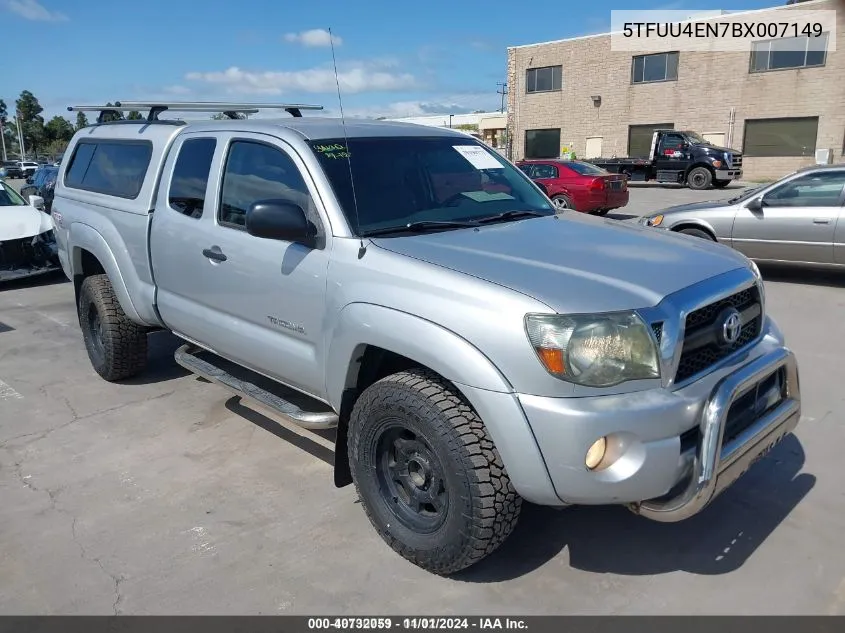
(478, 156)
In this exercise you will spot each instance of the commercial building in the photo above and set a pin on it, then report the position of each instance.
(782, 109)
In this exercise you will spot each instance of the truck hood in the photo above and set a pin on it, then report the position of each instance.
(20, 222)
(574, 263)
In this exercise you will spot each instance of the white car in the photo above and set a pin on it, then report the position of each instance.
(27, 242)
(28, 167)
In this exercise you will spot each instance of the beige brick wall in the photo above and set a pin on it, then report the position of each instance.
(708, 85)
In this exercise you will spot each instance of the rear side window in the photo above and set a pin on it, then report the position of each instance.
(115, 168)
(190, 176)
(586, 169)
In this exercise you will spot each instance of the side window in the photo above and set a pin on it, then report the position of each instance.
(527, 170)
(545, 171)
(813, 190)
(190, 176)
(115, 168)
(79, 164)
(671, 143)
(255, 171)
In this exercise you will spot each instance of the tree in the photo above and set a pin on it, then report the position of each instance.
(81, 120)
(32, 123)
(58, 129)
(4, 111)
(133, 115)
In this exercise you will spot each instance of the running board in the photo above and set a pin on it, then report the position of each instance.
(187, 357)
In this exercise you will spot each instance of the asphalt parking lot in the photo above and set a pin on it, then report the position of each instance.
(165, 495)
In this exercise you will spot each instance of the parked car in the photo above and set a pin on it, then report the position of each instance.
(28, 167)
(27, 241)
(42, 184)
(11, 169)
(576, 185)
(472, 347)
(800, 218)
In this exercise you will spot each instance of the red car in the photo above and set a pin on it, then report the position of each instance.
(574, 184)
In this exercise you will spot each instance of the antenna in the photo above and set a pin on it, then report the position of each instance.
(363, 248)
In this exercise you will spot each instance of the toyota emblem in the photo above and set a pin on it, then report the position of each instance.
(731, 326)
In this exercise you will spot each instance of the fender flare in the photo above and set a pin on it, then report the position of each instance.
(473, 374)
(85, 237)
(423, 341)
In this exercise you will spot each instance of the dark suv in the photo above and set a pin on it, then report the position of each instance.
(42, 183)
(12, 169)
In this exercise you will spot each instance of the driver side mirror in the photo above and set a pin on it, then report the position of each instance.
(755, 204)
(279, 220)
(37, 202)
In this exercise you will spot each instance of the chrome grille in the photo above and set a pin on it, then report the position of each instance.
(703, 346)
(736, 161)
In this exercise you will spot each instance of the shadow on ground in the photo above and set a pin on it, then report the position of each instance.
(51, 278)
(795, 274)
(160, 364)
(613, 540)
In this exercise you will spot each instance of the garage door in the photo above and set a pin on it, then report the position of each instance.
(639, 138)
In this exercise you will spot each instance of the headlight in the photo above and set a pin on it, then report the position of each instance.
(761, 286)
(600, 350)
(656, 220)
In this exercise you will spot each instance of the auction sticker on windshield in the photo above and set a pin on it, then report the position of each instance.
(478, 156)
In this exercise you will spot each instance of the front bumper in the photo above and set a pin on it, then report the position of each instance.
(670, 459)
(728, 174)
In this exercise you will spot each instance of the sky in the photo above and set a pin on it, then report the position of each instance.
(393, 58)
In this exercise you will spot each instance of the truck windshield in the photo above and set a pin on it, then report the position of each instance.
(696, 139)
(431, 180)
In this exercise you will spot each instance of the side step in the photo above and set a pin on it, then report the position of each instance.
(188, 356)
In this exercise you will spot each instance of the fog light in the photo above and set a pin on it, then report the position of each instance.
(596, 453)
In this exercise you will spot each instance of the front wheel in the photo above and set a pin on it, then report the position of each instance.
(699, 178)
(721, 184)
(431, 481)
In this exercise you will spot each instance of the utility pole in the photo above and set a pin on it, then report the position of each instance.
(3, 138)
(502, 90)
(20, 137)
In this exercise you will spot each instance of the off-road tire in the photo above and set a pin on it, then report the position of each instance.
(699, 178)
(720, 184)
(562, 203)
(117, 348)
(483, 507)
(697, 233)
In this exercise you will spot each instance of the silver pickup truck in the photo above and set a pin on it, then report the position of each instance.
(412, 288)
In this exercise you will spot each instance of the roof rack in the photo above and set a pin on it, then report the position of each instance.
(231, 110)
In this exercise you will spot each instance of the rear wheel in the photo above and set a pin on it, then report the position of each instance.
(698, 233)
(561, 202)
(699, 178)
(602, 211)
(117, 347)
(431, 481)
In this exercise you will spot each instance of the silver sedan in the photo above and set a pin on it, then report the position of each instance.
(798, 219)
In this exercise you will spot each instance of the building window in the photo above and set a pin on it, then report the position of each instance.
(780, 137)
(542, 143)
(640, 136)
(650, 68)
(547, 79)
(788, 52)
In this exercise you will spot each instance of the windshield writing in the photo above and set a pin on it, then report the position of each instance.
(444, 180)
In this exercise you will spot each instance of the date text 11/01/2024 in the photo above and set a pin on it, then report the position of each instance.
(414, 623)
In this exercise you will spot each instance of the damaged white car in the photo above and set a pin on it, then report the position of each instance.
(27, 242)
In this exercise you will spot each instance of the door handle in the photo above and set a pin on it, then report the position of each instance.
(215, 253)
(821, 220)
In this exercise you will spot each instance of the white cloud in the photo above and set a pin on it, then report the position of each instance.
(33, 10)
(357, 78)
(314, 37)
